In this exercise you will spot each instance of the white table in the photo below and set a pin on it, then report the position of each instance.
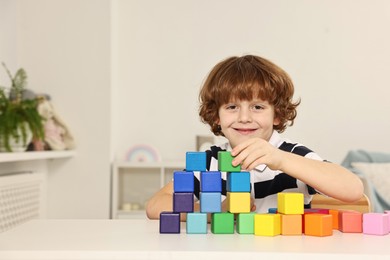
(140, 239)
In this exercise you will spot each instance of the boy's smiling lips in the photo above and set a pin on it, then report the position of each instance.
(245, 131)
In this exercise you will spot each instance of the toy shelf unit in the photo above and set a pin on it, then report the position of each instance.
(133, 183)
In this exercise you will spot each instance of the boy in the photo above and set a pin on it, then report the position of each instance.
(248, 100)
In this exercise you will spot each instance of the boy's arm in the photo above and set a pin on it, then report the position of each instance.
(162, 200)
(328, 178)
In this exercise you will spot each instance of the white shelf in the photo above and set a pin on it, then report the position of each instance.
(135, 182)
(29, 156)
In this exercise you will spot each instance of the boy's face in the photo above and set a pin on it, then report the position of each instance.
(242, 120)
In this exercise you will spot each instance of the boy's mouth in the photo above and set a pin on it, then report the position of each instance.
(245, 131)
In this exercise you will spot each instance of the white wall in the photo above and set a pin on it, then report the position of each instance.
(64, 45)
(335, 51)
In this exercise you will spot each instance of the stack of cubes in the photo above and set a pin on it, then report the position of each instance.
(238, 198)
(289, 218)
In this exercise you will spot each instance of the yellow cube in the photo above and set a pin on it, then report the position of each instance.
(290, 203)
(267, 224)
(239, 202)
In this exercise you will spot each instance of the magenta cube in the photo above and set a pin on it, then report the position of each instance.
(376, 224)
(169, 222)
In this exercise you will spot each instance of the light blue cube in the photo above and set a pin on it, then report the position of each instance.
(210, 202)
(238, 182)
(196, 223)
(196, 161)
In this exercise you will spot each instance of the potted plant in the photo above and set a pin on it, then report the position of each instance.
(20, 121)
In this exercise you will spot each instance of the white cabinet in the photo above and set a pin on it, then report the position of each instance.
(133, 183)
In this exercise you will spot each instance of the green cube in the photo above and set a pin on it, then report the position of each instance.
(246, 223)
(222, 223)
(225, 163)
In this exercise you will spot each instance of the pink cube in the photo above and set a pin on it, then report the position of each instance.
(376, 223)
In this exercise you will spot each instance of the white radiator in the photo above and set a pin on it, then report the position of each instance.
(22, 198)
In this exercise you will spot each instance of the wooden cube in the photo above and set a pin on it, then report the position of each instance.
(318, 225)
(196, 161)
(222, 223)
(238, 182)
(350, 221)
(183, 181)
(245, 223)
(291, 224)
(376, 224)
(225, 162)
(238, 202)
(183, 202)
(335, 218)
(267, 224)
(196, 223)
(210, 181)
(210, 202)
(290, 203)
(169, 222)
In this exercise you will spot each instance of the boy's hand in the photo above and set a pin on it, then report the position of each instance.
(254, 152)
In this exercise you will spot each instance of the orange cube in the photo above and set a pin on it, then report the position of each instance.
(318, 225)
(291, 224)
(335, 215)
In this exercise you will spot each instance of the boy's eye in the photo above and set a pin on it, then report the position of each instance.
(231, 107)
(257, 107)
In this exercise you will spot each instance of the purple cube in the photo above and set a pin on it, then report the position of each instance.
(183, 202)
(169, 222)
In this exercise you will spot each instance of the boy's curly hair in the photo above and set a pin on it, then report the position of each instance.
(246, 78)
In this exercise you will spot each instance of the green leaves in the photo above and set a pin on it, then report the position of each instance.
(19, 116)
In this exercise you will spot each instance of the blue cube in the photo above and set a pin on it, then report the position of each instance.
(210, 202)
(183, 181)
(183, 202)
(238, 182)
(196, 223)
(196, 161)
(210, 181)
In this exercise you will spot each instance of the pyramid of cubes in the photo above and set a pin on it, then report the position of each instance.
(289, 218)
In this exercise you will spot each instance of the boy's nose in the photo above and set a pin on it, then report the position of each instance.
(244, 116)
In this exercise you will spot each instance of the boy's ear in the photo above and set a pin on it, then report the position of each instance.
(276, 121)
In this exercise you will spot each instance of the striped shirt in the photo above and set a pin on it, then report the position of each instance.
(265, 183)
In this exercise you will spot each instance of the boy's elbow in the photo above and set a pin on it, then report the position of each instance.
(357, 192)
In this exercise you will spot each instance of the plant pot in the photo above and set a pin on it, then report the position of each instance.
(17, 145)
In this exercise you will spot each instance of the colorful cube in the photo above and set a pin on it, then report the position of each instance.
(238, 182)
(210, 181)
(267, 225)
(376, 224)
(196, 223)
(222, 223)
(210, 202)
(196, 161)
(238, 202)
(291, 224)
(225, 163)
(169, 222)
(318, 225)
(183, 181)
(290, 203)
(335, 218)
(350, 221)
(245, 223)
(183, 202)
